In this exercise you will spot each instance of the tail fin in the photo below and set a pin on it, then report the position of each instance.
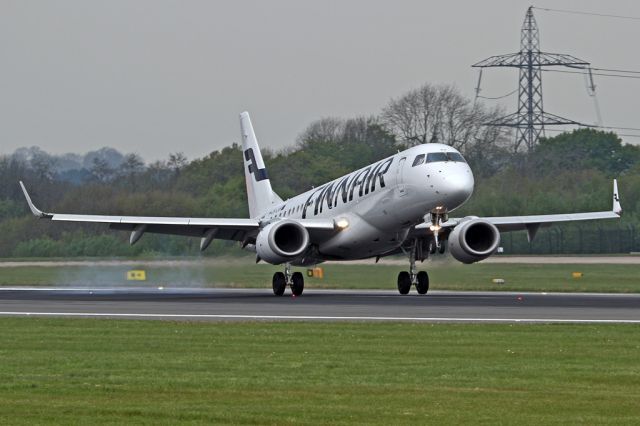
(261, 196)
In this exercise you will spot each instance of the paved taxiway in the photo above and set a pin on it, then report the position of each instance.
(260, 304)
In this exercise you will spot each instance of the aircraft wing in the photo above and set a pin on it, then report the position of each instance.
(235, 229)
(533, 222)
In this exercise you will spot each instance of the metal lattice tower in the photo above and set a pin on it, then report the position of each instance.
(530, 118)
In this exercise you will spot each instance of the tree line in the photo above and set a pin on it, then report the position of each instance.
(568, 172)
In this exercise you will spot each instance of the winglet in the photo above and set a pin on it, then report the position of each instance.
(617, 208)
(36, 212)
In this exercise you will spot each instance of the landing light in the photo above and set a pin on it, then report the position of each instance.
(434, 227)
(342, 223)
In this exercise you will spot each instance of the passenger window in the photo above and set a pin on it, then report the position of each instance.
(419, 160)
(437, 156)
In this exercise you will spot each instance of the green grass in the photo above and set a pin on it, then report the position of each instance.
(242, 273)
(81, 371)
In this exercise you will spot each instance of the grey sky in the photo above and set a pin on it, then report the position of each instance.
(157, 76)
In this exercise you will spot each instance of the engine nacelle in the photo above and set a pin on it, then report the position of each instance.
(473, 240)
(282, 241)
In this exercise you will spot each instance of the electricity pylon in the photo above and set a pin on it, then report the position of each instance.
(530, 118)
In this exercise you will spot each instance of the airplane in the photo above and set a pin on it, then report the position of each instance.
(398, 205)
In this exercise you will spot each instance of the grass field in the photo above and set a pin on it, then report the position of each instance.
(239, 273)
(81, 371)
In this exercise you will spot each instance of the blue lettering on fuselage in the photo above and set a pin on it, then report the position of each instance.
(343, 188)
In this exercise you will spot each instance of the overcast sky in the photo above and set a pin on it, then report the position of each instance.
(157, 76)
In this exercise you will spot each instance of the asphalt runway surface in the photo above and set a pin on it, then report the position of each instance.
(313, 305)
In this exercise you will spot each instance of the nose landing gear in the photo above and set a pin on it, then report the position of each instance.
(282, 280)
(437, 218)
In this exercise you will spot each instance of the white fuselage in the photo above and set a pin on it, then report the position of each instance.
(381, 202)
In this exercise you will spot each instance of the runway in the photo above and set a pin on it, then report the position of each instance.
(327, 305)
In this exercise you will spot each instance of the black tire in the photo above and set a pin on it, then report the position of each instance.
(432, 247)
(404, 282)
(422, 285)
(297, 283)
(279, 284)
(443, 247)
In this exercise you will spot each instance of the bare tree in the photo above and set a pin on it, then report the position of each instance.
(43, 165)
(131, 165)
(326, 129)
(440, 114)
(177, 161)
(101, 171)
(130, 170)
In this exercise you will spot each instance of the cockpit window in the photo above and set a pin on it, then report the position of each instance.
(437, 156)
(434, 157)
(454, 156)
(419, 160)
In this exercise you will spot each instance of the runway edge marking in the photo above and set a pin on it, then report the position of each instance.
(320, 318)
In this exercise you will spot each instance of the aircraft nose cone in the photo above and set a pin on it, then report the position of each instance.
(458, 187)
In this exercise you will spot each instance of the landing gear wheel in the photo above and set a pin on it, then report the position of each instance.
(443, 247)
(422, 283)
(432, 247)
(279, 283)
(404, 282)
(297, 283)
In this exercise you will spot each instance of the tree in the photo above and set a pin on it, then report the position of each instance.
(586, 148)
(43, 165)
(13, 169)
(177, 161)
(158, 174)
(218, 167)
(101, 171)
(440, 113)
(351, 143)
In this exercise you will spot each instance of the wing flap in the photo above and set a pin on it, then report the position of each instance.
(232, 234)
(240, 223)
(235, 229)
(517, 223)
(532, 223)
(238, 229)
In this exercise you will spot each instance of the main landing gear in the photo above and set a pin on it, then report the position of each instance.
(282, 280)
(407, 279)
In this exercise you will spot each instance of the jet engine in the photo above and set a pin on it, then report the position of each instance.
(282, 241)
(473, 240)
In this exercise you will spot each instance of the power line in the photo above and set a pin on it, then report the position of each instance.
(498, 97)
(615, 70)
(617, 128)
(578, 12)
(595, 73)
(619, 134)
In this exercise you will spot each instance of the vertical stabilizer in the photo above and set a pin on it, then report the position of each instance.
(261, 196)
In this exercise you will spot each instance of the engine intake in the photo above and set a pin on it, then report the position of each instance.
(282, 241)
(473, 240)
